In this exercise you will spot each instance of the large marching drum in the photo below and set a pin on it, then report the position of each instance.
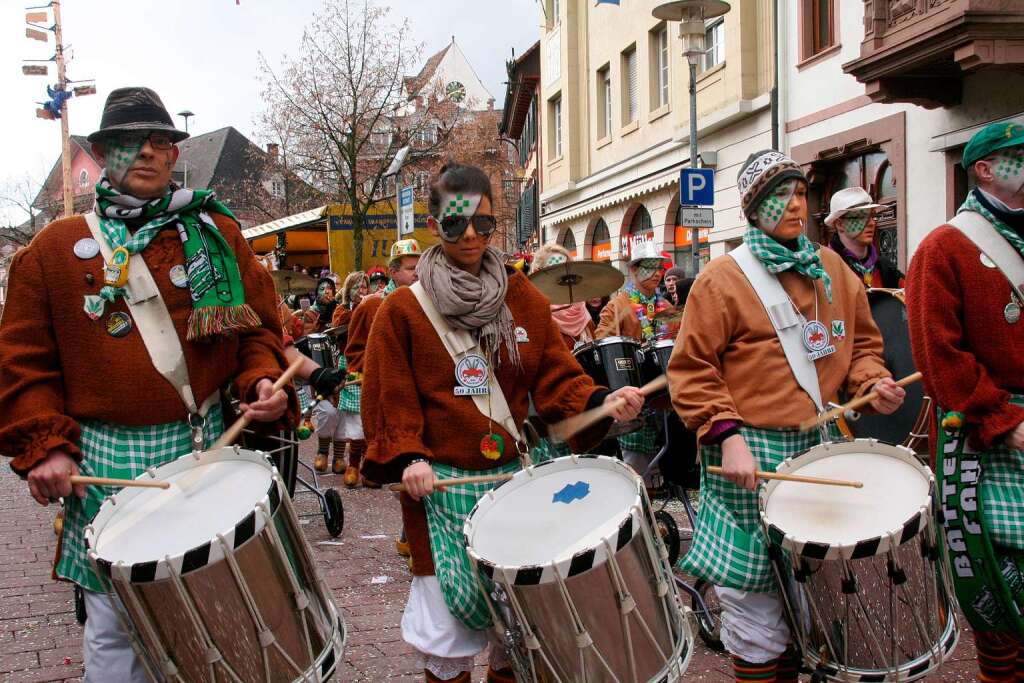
(578, 583)
(867, 596)
(218, 582)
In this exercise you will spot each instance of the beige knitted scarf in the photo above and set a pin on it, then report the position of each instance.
(472, 302)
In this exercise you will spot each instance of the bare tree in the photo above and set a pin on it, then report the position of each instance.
(343, 108)
(16, 200)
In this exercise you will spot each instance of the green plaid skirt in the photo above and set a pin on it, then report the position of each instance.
(351, 396)
(549, 450)
(446, 515)
(110, 450)
(729, 548)
(1002, 493)
(646, 439)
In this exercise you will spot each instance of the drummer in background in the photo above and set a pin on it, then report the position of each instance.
(420, 429)
(378, 279)
(355, 287)
(325, 302)
(968, 340)
(630, 313)
(852, 216)
(78, 391)
(572, 319)
(731, 383)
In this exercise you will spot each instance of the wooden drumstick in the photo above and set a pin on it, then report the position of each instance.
(235, 430)
(441, 483)
(109, 481)
(560, 431)
(799, 478)
(853, 405)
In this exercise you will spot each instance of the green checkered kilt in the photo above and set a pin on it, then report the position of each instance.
(1002, 493)
(646, 439)
(303, 391)
(110, 450)
(446, 515)
(729, 548)
(351, 396)
(549, 450)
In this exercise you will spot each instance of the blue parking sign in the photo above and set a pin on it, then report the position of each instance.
(697, 187)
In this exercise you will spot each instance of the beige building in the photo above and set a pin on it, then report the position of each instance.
(614, 123)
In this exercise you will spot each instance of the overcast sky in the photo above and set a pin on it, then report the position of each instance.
(201, 55)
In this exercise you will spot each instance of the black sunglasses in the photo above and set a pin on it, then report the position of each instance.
(452, 227)
(157, 140)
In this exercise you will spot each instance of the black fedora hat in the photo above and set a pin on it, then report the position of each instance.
(135, 109)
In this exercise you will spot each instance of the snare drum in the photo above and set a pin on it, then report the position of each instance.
(859, 570)
(578, 584)
(215, 575)
(612, 362)
(319, 347)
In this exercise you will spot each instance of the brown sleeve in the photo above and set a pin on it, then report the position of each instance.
(341, 316)
(866, 364)
(359, 332)
(260, 350)
(697, 386)
(32, 419)
(610, 323)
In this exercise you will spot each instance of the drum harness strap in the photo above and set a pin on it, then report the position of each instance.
(983, 234)
(787, 321)
(158, 335)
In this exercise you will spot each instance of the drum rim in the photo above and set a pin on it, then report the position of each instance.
(607, 341)
(869, 547)
(570, 565)
(660, 344)
(198, 556)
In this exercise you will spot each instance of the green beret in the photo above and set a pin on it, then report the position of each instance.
(992, 137)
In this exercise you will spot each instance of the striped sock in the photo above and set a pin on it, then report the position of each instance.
(339, 448)
(355, 453)
(788, 667)
(323, 445)
(429, 677)
(748, 671)
(997, 657)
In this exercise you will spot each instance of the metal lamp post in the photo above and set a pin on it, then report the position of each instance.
(691, 14)
(185, 114)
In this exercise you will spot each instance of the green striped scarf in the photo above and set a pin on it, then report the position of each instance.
(972, 204)
(777, 258)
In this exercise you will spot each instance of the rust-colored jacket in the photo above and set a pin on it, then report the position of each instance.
(618, 319)
(359, 330)
(410, 411)
(728, 363)
(57, 366)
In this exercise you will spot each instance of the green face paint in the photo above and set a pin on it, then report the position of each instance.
(854, 222)
(1008, 168)
(773, 207)
(120, 155)
(555, 259)
(647, 268)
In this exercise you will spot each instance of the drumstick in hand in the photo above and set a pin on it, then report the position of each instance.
(233, 432)
(441, 483)
(799, 478)
(110, 481)
(813, 422)
(561, 431)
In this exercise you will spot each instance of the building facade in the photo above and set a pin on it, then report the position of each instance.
(614, 123)
(520, 128)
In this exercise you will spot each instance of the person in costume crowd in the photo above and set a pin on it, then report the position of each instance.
(968, 340)
(731, 383)
(437, 432)
(672, 278)
(378, 279)
(79, 393)
(325, 303)
(336, 429)
(594, 308)
(852, 216)
(630, 313)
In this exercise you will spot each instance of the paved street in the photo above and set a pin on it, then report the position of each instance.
(40, 639)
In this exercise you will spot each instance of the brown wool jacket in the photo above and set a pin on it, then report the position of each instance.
(359, 330)
(618, 319)
(728, 363)
(409, 409)
(57, 366)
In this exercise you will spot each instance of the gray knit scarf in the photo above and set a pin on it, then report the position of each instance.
(471, 302)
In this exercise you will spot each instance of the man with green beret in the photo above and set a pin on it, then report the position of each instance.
(964, 303)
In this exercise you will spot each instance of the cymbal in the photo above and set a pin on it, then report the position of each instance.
(336, 331)
(573, 281)
(292, 282)
(669, 315)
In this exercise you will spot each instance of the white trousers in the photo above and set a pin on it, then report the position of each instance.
(107, 647)
(754, 625)
(332, 423)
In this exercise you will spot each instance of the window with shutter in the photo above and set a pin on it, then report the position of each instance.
(632, 95)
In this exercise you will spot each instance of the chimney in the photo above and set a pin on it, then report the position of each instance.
(272, 149)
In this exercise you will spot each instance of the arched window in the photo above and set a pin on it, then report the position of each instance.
(601, 242)
(641, 222)
(569, 242)
(83, 178)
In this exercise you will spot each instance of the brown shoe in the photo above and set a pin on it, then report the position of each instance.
(338, 465)
(402, 546)
(320, 462)
(351, 477)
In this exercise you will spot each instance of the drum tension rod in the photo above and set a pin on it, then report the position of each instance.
(896, 573)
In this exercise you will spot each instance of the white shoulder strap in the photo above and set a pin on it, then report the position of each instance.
(154, 323)
(988, 240)
(459, 343)
(784, 318)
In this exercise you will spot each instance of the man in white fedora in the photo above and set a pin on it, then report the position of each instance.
(852, 216)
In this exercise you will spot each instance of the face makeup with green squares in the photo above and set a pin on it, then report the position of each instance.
(773, 207)
(1008, 168)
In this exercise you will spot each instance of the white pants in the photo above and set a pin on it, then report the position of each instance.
(754, 625)
(107, 647)
(446, 647)
(332, 423)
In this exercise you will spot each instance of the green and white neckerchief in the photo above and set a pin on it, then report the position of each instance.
(214, 280)
(391, 286)
(972, 204)
(777, 258)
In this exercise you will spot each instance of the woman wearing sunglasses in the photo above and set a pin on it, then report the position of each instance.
(423, 423)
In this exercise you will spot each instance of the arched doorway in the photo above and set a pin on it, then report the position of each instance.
(874, 172)
(639, 223)
(600, 242)
(569, 241)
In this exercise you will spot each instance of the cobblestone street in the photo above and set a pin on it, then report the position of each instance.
(41, 641)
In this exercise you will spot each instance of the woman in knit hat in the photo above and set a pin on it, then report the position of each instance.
(435, 431)
(732, 384)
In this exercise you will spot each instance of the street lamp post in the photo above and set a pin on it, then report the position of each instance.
(691, 14)
(185, 114)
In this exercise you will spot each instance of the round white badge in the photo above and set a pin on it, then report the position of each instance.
(815, 336)
(179, 278)
(86, 248)
(471, 372)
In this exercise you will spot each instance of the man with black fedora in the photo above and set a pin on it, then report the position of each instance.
(80, 392)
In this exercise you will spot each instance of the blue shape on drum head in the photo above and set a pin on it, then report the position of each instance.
(571, 492)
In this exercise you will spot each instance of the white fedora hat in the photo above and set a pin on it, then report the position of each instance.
(849, 199)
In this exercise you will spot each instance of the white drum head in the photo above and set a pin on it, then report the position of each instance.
(896, 489)
(547, 514)
(207, 497)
